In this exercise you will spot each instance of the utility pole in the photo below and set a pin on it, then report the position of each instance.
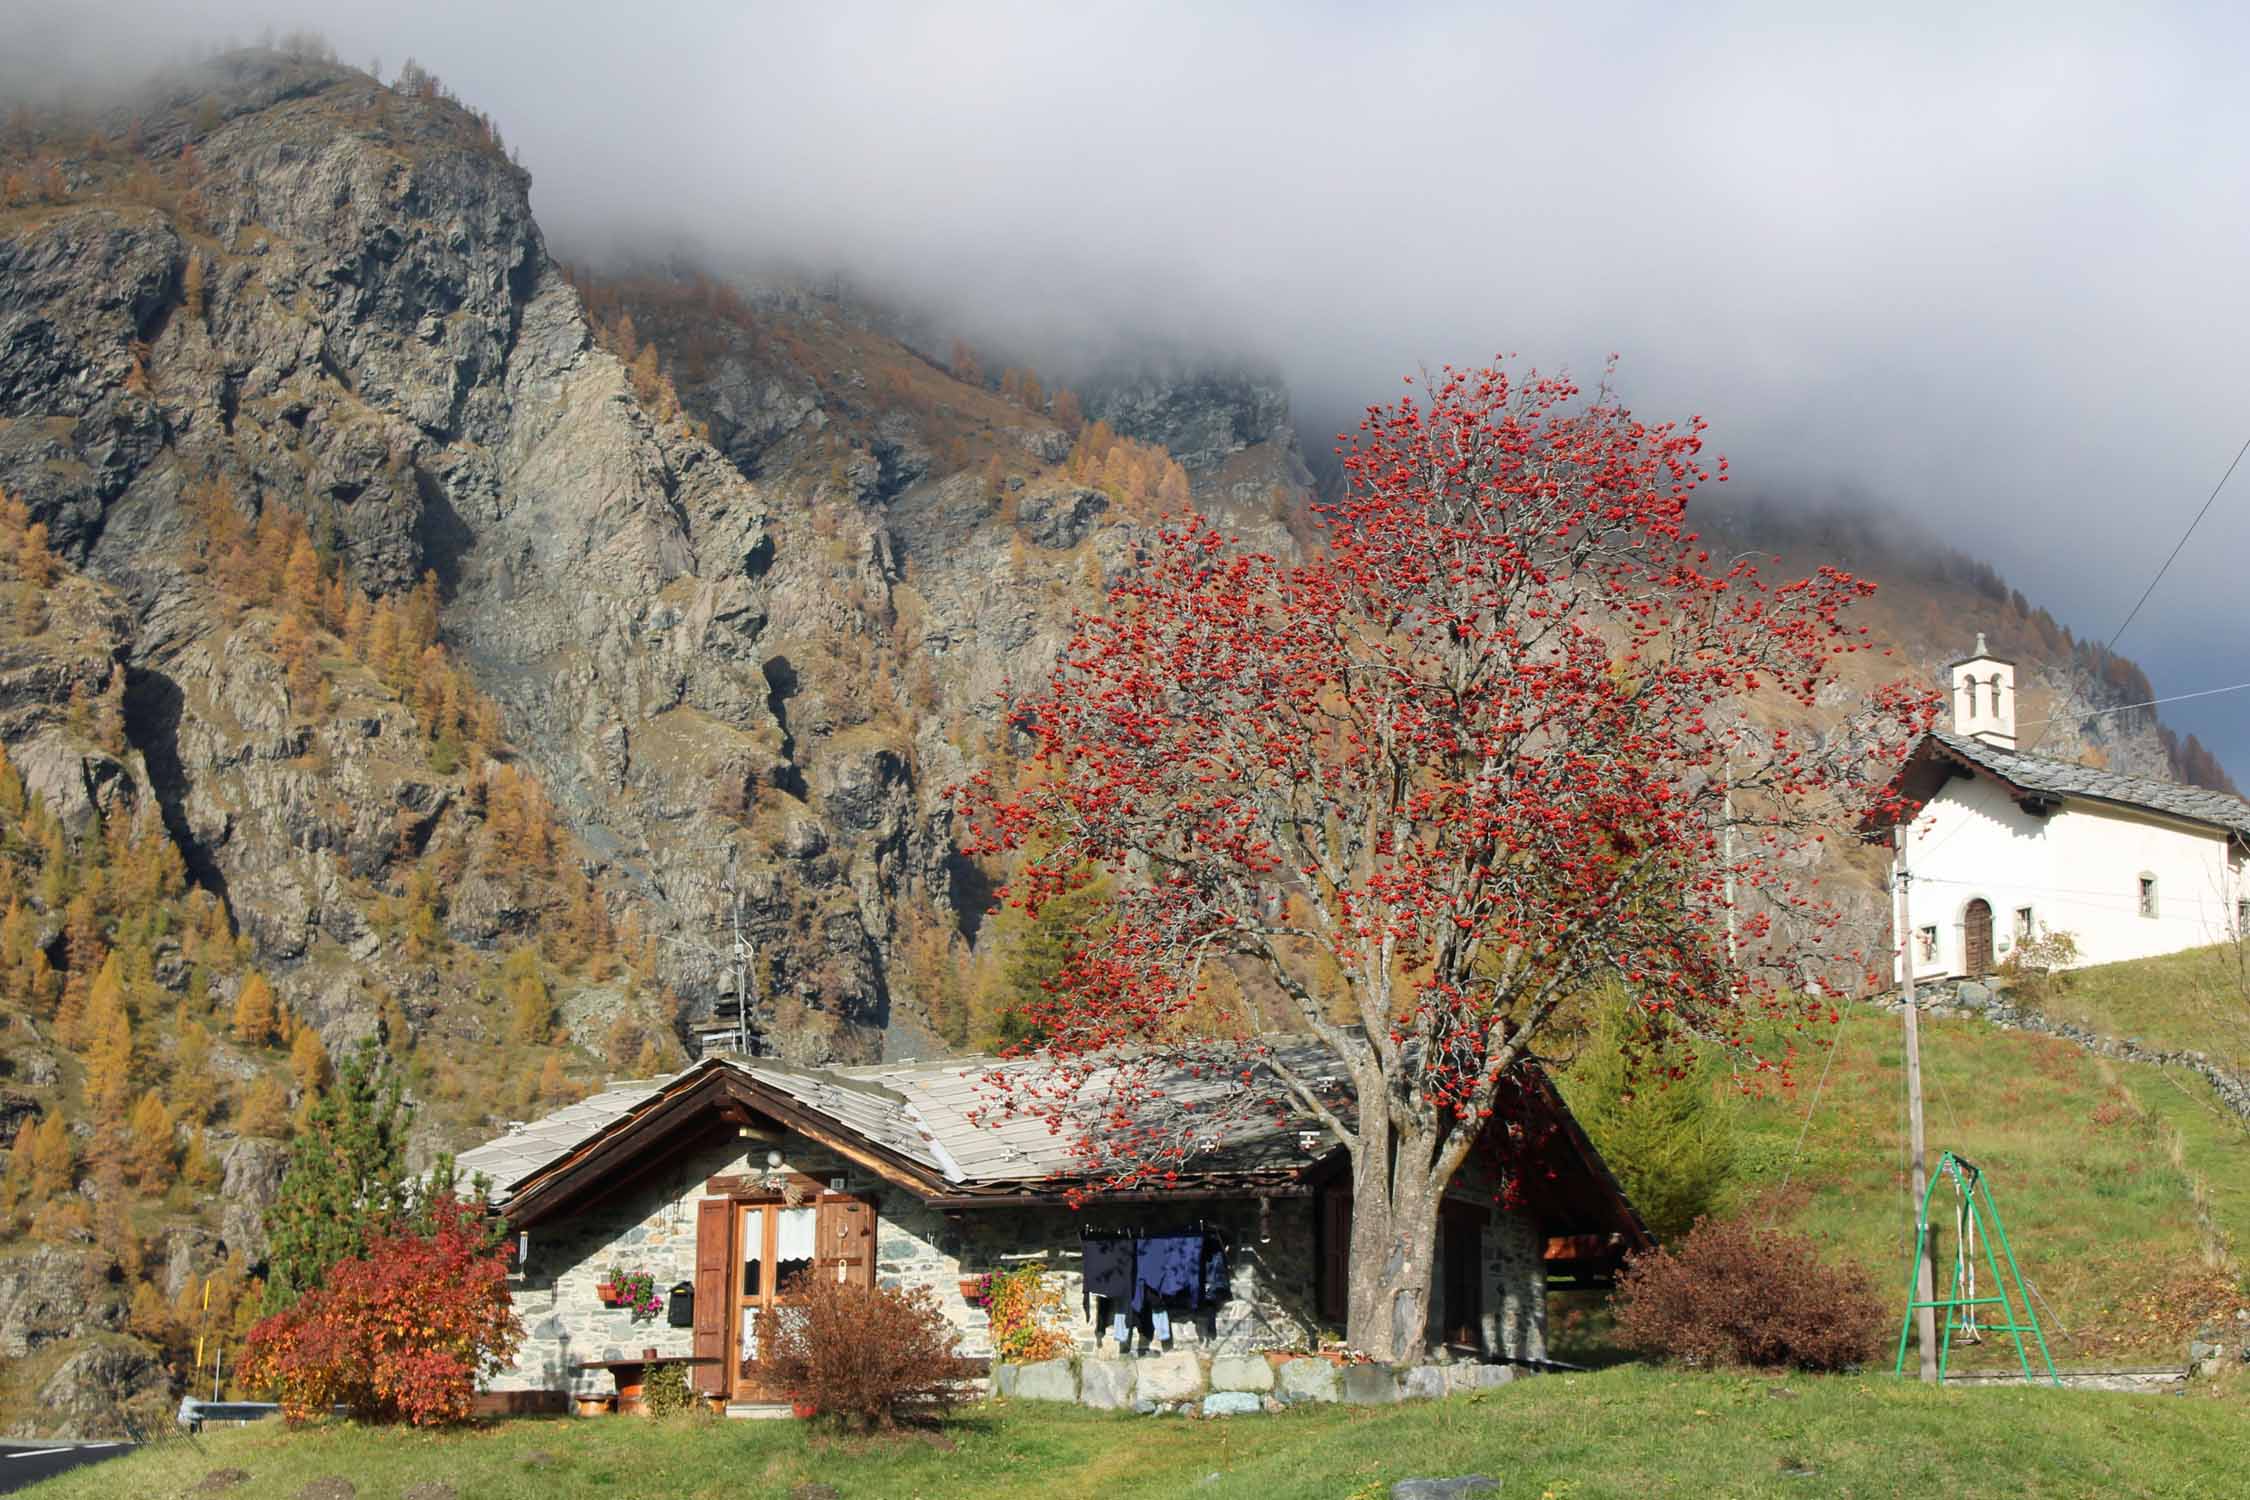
(1925, 1317)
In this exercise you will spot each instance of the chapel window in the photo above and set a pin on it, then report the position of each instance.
(2148, 895)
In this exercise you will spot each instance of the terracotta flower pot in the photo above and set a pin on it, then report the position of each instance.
(607, 1293)
(803, 1409)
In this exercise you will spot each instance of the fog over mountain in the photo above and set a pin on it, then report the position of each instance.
(1982, 269)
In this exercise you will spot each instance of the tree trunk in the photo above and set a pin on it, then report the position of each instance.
(1393, 1247)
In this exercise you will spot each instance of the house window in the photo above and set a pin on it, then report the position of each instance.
(2148, 895)
(1925, 946)
(2023, 924)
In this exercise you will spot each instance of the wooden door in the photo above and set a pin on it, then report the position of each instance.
(1976, 938)
(775, 1246)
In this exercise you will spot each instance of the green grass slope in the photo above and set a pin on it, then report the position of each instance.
(1626, 1432)
(2121, 1184)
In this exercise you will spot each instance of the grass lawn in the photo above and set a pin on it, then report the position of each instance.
(1623, 1432)
(2197, 1001)
(2116, 1186)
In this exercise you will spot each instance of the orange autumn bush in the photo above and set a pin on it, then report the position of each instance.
(399, 1336)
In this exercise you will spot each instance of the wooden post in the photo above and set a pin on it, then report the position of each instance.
(1925, 1317)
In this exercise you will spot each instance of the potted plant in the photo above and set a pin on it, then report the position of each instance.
(977, 1290)
(630, 1289)
(801, 1409)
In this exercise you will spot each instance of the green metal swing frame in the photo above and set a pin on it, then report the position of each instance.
(1957, 1310)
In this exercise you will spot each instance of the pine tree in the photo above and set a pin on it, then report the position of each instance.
(256, 1019)
(346, 1177)
(534, 1011)
(192, 1081)
(1669, 1140)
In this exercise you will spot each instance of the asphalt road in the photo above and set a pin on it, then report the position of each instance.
(23, 1464)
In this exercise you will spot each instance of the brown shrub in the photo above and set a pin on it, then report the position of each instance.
(865, 1356)
(1733, 1295)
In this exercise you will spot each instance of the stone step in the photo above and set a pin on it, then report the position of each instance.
(758, 1411)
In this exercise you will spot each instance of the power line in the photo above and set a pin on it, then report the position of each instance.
(2181, 543)
(2129, 707)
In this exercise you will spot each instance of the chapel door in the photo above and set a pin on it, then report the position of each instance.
(1976, 935)
(775, 1244)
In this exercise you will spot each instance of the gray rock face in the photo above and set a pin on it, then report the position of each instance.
(50, 1295)
(1230, 1404)
(253, 1172)
(93, 1389)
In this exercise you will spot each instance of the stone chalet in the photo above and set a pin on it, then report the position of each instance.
(738, 1174)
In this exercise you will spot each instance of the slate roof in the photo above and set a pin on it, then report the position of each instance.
(921, 1111)
(2046, 776)
(530, 1145)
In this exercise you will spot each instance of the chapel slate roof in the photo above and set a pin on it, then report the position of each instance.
(2045, 775)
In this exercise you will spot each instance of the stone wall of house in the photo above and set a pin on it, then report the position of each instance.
(1272, 1267)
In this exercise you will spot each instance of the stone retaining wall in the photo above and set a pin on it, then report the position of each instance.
(1967, 997)
(1236, 1384)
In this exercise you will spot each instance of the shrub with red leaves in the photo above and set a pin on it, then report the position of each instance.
(865, 1356)
(400, 1336)
(1733, 1295)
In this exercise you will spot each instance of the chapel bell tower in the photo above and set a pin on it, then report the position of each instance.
(1984, 697)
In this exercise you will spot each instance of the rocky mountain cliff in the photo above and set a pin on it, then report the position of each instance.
(457, 623)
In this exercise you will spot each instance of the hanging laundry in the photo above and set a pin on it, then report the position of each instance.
(1218, 1282)
(1168, 1269)
(1107, 1269)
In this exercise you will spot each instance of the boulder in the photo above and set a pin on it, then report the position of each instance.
(1479, 1377)
(1370, 1385)
(1047, 1380)
(1106, 1384)
(1426, 1382)
(1170, 1377)
(1004, 1379)
(1307, 1380)
(1230, 1404)
(1241, 1372)
(1460, 1488)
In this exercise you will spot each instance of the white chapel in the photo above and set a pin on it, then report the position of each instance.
(2009, 845)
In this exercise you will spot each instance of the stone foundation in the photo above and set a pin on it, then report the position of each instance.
(1230, 1384)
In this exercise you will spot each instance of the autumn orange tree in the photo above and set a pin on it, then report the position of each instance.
(1463, 765)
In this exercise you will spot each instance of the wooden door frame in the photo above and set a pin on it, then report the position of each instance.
(737, 1203)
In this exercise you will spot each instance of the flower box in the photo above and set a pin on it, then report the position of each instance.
(610, 1295)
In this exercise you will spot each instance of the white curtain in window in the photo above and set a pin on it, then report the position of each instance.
(793, 1234)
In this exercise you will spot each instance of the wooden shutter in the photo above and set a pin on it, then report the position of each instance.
(847, 1239)
(714, 1261)
(1335, 1255)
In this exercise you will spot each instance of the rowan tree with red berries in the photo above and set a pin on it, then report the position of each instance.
(1421, 794)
